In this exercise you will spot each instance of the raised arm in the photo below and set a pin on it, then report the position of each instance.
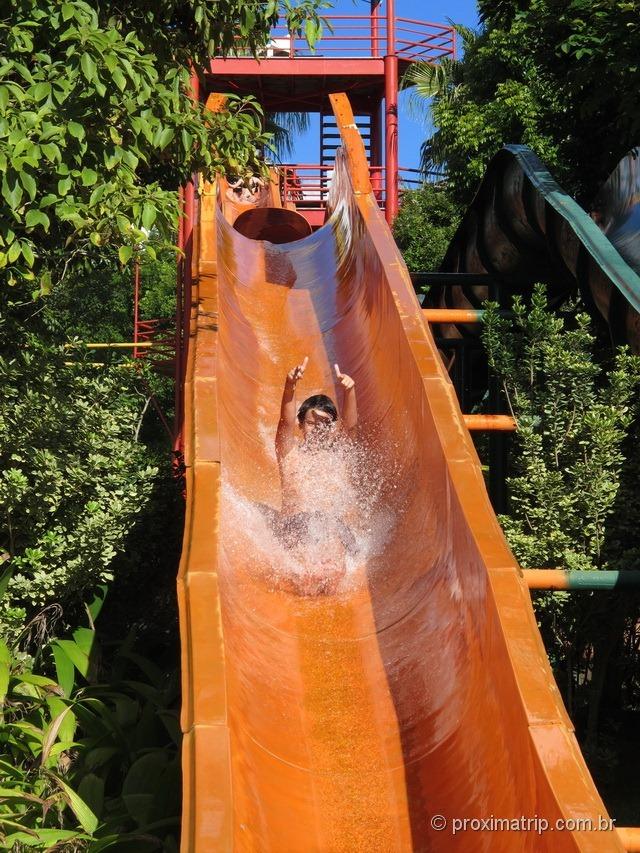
(285, 434)
(349, 407)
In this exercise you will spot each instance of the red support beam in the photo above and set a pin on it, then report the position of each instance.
(177, 425)
(185, 282)
(376, 151)
(285, 66)
(375, 28)
(187, 276)
(391, 117)
(136, 306)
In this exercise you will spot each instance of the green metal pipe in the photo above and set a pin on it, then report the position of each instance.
(575, 580)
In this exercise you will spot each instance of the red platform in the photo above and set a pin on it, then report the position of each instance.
(362, 55)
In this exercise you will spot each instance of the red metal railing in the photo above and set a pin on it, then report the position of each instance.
(161, 334)
(307, 185)
(365, 36)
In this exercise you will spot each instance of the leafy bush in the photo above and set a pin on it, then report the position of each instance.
(424, 226)
(573, 487)
(88, 762)
(74, 475)
(573, 417)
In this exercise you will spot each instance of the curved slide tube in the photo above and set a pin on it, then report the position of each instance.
(416, 694)
(617, 208)
(522, 228)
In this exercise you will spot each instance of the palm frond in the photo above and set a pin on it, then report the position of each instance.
(432, 155)
(429, 80)
(423, 81)
(284, 127)
(468, 35)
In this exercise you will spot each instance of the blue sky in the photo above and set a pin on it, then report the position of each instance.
(411, 132)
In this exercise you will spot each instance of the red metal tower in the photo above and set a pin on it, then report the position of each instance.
(363, 55)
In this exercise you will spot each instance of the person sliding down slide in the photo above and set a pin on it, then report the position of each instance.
(315, 480)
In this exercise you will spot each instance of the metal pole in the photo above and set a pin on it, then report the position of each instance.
(459, 315)
(114, 345)
(376, 150)
(136, 305)
(489, 423)
(182, 329)
(189, 218)
(177, 415)
(391, 117)
(498, 448)
(375, 28)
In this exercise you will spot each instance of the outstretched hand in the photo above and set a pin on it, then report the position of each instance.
(298, 371)
(344, 380)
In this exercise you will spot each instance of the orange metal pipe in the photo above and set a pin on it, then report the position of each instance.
(546, 578)
(577, 580)
(116, 345)
(487, 423)
(452, 315)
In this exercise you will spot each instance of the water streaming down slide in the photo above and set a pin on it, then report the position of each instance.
(348, 718)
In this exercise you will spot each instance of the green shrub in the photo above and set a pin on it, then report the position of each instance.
(90, 757)
(573, 487)
(74, 476)
(425, 225)
(574, 415)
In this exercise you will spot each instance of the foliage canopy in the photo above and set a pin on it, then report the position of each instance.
(74, 476)
(549, 75)
(573, 421)
(426, 223)
(98, 127)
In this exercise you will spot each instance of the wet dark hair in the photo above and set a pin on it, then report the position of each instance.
(320, 402)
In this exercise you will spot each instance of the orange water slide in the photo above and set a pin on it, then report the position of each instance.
(382, 714)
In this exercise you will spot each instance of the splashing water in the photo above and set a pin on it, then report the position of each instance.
(336, 518)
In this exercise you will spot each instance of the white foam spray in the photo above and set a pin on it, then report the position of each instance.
(347, 502)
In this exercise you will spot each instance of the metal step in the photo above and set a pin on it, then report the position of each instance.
(329, 131)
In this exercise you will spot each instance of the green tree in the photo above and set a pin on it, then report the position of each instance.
(545, 74)
(426, 223)
(96, 303)
(93, 304)
(91, 745)
(571, 494)
(98, 127)
(74, 476)
(573, 418)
